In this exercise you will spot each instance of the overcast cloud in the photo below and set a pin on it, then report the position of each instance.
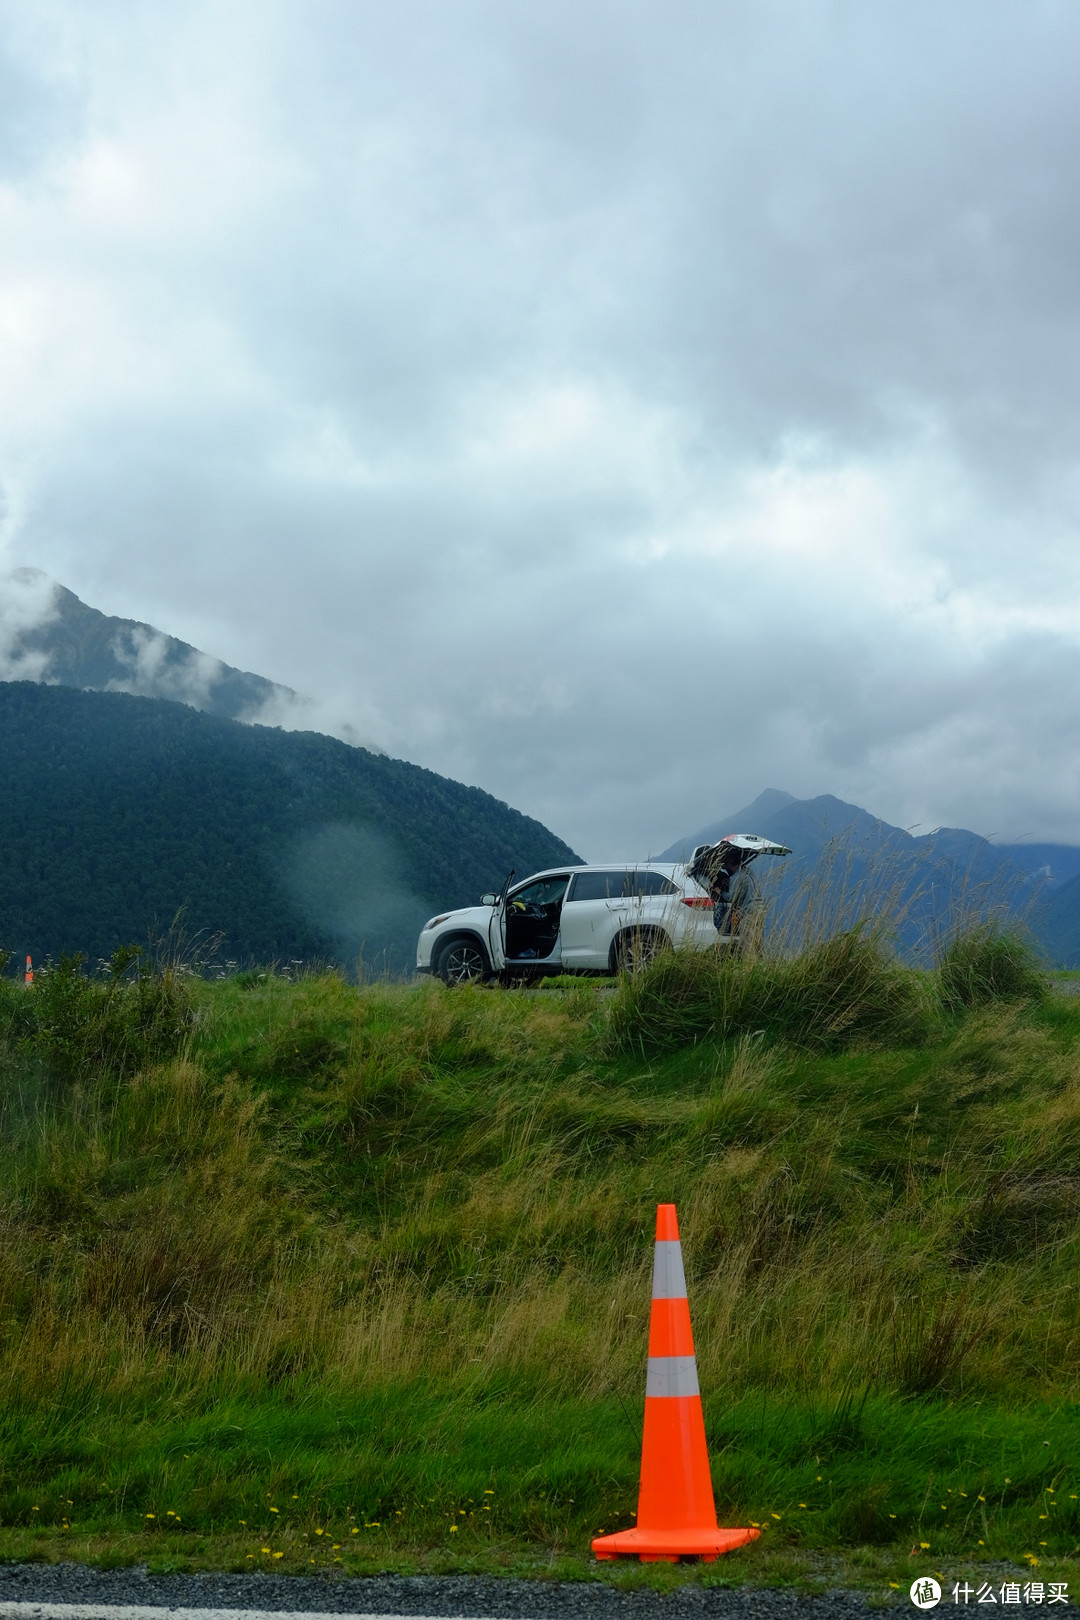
(623, 407)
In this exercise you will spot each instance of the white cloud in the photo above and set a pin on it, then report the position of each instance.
(150, 672)
(27, 599)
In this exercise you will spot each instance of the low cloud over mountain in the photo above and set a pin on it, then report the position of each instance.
(47, 634)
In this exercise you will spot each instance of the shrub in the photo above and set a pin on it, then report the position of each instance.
(134, 1013)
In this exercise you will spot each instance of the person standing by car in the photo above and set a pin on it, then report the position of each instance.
(733, 891)
(723, 869)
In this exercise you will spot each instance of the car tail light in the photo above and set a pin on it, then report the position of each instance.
(697, 900)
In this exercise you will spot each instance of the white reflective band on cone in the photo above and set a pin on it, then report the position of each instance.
(668, 1277)
(671, 1375)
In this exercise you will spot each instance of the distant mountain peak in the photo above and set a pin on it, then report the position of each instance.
(767, 804)
(49, 635)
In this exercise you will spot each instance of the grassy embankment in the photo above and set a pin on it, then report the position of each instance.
(299, 1274)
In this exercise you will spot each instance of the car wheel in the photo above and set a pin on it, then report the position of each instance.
(463, 961)
(636, 948)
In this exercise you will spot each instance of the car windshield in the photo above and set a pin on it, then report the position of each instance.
(542, 892)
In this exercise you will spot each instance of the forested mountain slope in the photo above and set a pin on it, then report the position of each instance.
(116, 812)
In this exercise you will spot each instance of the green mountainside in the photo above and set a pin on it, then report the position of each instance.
(116, 812)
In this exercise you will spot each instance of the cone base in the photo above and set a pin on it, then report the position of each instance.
(668, 1546)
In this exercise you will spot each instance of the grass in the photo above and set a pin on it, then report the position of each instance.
(378, 1259)
(837, 991)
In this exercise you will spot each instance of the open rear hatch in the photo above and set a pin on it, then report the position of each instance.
(706, 860)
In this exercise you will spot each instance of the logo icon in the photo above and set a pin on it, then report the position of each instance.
(925, 1592)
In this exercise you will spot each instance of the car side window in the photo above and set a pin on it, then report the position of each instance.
(651, 883)
(618, 885)
(594, 885)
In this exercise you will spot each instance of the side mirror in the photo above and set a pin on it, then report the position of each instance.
(489, 899)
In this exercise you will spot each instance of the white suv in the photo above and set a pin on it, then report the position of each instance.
(585, 919)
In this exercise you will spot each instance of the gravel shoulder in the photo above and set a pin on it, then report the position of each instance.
(485, 1597)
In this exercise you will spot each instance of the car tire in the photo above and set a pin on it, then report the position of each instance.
(463, 961)
(635, 949)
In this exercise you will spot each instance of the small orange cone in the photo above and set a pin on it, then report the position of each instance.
(676, 1515)
(29, 971)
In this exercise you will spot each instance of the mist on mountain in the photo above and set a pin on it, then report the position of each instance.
(49, 634)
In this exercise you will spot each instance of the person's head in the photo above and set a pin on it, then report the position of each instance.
(732, 859)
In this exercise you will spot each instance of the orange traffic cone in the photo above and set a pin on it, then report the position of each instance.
(676, 1514)
(29, 971)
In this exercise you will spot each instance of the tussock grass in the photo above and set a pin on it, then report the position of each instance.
(816, 985)
(364, 1254)
(840, 991)
(985, 963)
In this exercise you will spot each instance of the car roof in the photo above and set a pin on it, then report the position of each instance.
(667, 868)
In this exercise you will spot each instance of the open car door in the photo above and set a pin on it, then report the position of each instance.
(497, 927)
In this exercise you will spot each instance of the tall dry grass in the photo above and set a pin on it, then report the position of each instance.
(363, 1188)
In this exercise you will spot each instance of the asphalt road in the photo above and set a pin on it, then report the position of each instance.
(73, 1592)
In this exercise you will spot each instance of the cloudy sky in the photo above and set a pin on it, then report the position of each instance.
(622, 406)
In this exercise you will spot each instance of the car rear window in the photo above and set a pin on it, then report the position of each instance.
(618, 885)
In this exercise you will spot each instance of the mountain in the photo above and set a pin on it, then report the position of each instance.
(118, 811)
(1054, 864)
(750, 818)
(47, 634)
(1058, 924)
(927, 881)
